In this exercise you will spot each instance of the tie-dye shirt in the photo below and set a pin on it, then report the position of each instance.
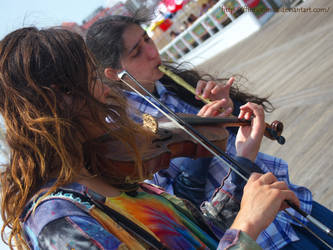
(160, 217)
(65, 220)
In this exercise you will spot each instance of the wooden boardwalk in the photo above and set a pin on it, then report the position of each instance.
(291, 59)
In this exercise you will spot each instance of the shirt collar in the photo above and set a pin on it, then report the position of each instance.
(160, 89)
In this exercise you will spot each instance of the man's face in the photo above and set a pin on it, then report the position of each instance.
(140, 57)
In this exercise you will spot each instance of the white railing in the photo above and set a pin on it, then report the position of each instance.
(220, 17)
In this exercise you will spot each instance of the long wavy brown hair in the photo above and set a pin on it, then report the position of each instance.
(46, 80)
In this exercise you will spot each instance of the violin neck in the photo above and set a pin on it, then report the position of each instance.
(227, 121)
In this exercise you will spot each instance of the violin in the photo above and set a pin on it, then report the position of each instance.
(167, 142)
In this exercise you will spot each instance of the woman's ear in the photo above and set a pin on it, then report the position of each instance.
(111, 74)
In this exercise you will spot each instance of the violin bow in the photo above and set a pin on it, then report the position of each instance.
(216, 151)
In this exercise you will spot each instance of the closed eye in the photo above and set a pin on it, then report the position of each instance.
(136, 52)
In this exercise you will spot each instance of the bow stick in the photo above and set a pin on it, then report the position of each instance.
(216, 151)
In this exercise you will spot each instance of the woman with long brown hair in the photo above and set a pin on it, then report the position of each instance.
(60, 189)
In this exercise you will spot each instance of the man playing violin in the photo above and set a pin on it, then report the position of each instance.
(119, 43)
(59, 192)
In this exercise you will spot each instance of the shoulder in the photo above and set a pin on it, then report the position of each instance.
(50, 210)
(63, 222)
(76, 232)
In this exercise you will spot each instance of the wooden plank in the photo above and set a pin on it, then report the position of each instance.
(291, 59)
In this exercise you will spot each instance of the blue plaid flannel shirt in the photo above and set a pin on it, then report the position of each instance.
(280, 232)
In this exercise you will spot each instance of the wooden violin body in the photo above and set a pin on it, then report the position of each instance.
(168, 142)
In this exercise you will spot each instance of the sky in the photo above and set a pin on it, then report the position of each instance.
(16, 14)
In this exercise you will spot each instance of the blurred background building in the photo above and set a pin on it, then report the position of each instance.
(192, 29)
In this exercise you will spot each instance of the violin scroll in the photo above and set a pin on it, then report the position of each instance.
(274, 132)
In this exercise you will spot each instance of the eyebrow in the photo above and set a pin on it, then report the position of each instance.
(137, 44)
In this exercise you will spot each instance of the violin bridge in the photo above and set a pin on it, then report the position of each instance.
(150, 123)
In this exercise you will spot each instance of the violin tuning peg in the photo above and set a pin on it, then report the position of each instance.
(281, 140)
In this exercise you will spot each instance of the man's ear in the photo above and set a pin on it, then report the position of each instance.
(111, 74)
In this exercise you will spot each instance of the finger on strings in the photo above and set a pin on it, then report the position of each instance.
(249, 110)
(246, 111)
(257, 109)
(245, 114)
(259, 117)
